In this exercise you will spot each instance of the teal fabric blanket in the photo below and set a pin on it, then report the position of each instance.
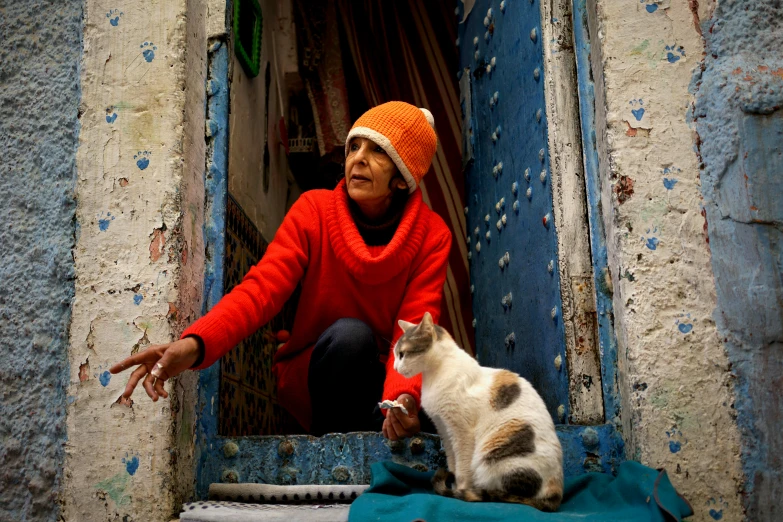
(637, 494)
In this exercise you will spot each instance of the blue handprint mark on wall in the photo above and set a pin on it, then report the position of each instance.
(104, 222)
(104, 377)
(674, 53)
(717, 507)
(684, 324)
(131, 464)
(148, 51)
(142, 159)
(676, 440)
(111, 115)
(651, 5)
(651, 241)
(638, 113)
(670, 181)
(114, 16)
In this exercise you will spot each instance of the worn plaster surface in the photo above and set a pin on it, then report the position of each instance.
(739, 119)
(675, 378)
(138, 252)
(192, 259)
(264, 191)
(39, 102)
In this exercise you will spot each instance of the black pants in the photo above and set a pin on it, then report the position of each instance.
(346, 381)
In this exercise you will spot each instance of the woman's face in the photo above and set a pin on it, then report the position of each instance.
(369, 172)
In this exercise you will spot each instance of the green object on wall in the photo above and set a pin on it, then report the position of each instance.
(247, 35)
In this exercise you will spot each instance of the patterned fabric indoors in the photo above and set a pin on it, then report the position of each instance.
(404, 50)
(248, 405)
(321, 68)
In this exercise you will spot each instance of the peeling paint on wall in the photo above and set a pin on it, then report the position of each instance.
(738, 115)
(139, 268)
(39, 128)
(675, 382)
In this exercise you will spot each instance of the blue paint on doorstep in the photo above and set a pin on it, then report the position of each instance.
(347, 458)
(669, 183)
(40, 60)
(605, 314)
(738, 118)
(651, 8)
(137, 298)
(519, 299)
(104, 378)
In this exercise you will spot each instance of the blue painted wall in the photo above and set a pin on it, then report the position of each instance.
(39, 98)
(739, 118)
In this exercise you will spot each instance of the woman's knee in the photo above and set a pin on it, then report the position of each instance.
(347, 339)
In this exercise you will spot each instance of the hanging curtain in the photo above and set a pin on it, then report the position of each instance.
(405, 50)
(321, 69)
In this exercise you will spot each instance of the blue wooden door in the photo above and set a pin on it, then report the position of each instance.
(513, 244)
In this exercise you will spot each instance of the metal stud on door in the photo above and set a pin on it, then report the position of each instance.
(516, 288)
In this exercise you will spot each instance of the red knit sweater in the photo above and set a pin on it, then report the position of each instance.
(319, 244)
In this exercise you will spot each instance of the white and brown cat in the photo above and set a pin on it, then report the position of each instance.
(500, 441)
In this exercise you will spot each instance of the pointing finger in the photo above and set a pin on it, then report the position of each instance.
(147, 356)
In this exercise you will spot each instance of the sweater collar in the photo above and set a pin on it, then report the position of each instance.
(374, 264)
(380, 231)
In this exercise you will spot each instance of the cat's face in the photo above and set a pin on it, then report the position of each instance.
(414, 351)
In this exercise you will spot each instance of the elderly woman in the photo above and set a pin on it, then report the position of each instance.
(368, 254)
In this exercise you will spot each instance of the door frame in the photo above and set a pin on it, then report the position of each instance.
(346, 458)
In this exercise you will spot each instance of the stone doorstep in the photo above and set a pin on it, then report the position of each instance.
(220, 511)
(263, 502)
(295, 494)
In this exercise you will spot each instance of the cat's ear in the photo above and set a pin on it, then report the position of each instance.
(405, 325)
(427, 319)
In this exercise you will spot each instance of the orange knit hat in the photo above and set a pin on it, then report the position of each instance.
(405, 132)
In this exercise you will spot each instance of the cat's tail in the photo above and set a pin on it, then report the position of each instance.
(443, 481)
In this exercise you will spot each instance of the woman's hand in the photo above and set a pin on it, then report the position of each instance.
(397, 425)
(158, 363)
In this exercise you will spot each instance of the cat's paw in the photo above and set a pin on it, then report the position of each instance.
(443, 481)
